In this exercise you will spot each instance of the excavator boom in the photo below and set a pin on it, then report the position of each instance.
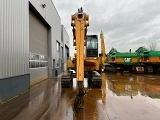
(103, 52)
(80, 23)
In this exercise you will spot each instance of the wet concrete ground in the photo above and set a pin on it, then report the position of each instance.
(126, 97)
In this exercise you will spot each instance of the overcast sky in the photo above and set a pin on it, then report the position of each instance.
(126, 24)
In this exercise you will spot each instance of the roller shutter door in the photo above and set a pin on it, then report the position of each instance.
(38, 47)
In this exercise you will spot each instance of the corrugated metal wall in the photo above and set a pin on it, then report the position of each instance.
(14, 38)
(14, 34)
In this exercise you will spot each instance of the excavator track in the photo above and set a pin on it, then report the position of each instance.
(66, 79)
(96, 79)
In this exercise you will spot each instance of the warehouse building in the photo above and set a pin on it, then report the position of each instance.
(65, 48)
(34, 45)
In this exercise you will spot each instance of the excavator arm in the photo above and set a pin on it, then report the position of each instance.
(103, 52)
(79, 22)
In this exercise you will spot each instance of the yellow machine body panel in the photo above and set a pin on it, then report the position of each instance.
(91, 64)
(70, 64)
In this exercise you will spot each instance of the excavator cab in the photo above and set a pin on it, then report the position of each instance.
(92, 46)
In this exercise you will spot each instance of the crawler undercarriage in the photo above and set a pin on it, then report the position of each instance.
(94, 78)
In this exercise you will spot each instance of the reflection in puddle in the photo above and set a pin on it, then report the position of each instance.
(104, 78)
(130, 86)
(123, 87)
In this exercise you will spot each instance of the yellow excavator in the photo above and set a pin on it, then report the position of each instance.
(86, 62)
